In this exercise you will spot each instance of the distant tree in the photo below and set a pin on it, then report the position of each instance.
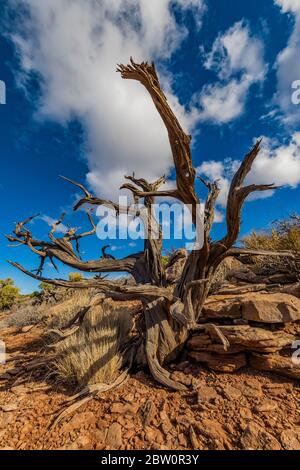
(8, 293)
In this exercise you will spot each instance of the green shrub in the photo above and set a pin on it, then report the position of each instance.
(75, 277)
(8, 293)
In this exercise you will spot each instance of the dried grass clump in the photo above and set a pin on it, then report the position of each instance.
(93, 353)
(32, 312)
(60, 314)
(284, 235)
(26, 313)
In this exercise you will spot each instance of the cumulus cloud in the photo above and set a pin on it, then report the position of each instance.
(288, 5)
(276, 163)
(279, 164)
(288, 65)
(237, 51)
(223, 103)
(238, 59)
(74, 46)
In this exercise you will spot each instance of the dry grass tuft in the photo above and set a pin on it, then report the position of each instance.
(93, 353)
(284, 235)
(60, 314)
(27, 313)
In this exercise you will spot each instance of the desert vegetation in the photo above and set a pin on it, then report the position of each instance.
(284, 235)
(172, 292)
(9, 293)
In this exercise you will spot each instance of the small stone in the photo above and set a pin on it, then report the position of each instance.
(257, 438)
(250, 389)
(276, 390)
(182, 440)
(181, 377)
(194, 439)
(153, 435)
(212, 429)
(19, 390)
(166, 423)
(206, 394)
(82, 443)
(99, 436)
(9, 407)
(245, 413)
(124, 408)
(129, 434)
(80, 420)
(266, 406)
(6, 419)
(129, 398)
(26, 429)
(114, 436)
(290, 439)
(231, 393)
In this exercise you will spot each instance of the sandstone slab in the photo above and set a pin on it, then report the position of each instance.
(254, 306)
(220, 362)
(257, 438)
(275, 363)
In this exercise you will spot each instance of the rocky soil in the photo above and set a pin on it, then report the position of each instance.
(243, 410)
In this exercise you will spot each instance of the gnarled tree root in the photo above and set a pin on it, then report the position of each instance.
(160, 343)
(85, 395)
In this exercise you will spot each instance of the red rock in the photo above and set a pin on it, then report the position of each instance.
(206, 394)
(182, 440)
(9, 407)
(124, 408)
(231, 393)
(290, 439)
(257, 438)
(114, 437)
(266, 406)
(181, 377)
(80, 420)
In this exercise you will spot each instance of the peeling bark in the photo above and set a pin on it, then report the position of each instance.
(170, 309)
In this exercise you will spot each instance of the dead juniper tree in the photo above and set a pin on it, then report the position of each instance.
(170, 309)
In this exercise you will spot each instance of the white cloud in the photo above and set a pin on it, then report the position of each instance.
(288, 65)
(289, 5)
(237, 51)
(237, 58)
(276, 163)
(222, 103)
(75, 46)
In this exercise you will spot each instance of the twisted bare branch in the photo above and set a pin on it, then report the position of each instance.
(179, 140)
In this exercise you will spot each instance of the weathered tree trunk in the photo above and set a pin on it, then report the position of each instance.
(171, 308)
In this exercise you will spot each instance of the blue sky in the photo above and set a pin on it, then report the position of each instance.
(227, 67)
